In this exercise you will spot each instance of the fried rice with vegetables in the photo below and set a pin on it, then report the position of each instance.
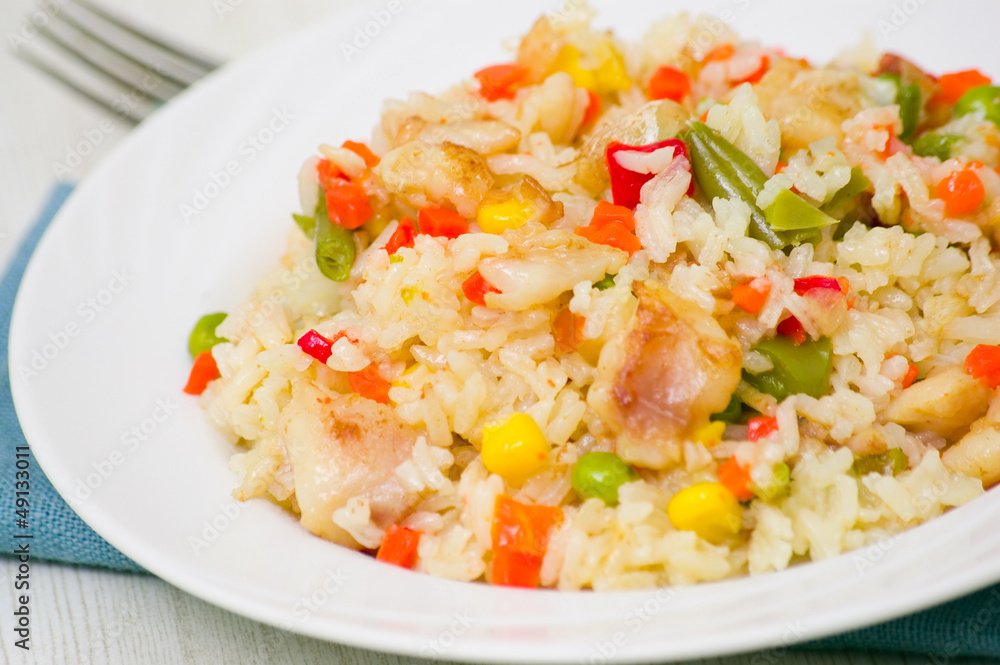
(625, 314)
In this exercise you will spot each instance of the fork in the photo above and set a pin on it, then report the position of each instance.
(108, 60)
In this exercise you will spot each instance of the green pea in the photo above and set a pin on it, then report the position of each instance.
(203, 337)
(600, 475)
(985, 98)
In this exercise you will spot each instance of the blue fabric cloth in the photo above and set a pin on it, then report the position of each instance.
(969, 626)
(57, 532)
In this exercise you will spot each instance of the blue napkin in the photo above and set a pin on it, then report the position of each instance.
(969, 626)
(56, 531)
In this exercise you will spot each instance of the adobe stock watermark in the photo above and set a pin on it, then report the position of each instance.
(460, 624)
(130, 440)
(636, 619)
(248, 150)
(86, 312)
(44, 12)
(363, 35)
(899, 16)
(212, 528)
(123, 105)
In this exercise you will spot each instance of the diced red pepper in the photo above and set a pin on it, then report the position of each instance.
(568, 330)
(316, 345)
(203, 371)
(792, 328)
(439, 222)
(983, 363)
(910, 376)
(499, 81)
(805, 284)
(626, 185)
(952, 86)
(593, 111)
(761, 426)
(369, 384)
(750, 297)
(399, 546)
(780, 166)
(757, 74)
(606, 212)
(719, 53)
(327, 174)
(613, 234)
(347, 204)
(520, 537)
(962, 192)
(362, 151)
(736, 479)
(669, 83)
(476, 287)
(403, 236)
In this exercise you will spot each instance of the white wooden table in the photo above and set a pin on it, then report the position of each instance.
(82, 615)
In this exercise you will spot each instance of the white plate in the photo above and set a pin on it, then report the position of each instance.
(117, 281)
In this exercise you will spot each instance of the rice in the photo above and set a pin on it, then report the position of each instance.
(574, 331)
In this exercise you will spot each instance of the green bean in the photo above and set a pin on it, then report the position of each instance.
(798, 368)
(985, 98)
(335, 250)
(203, 336)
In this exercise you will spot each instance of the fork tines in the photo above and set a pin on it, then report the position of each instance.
(111, 62)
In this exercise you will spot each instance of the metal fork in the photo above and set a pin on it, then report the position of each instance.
(108, 60)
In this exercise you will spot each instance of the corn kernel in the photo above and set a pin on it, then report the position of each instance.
(568, 60)
(708, 509)
(498, 217)
(610, 75)
(515, 449)
(709, 435)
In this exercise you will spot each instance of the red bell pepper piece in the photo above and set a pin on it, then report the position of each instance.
(399, 546)
(498, 81)
(593, 111)
(316, 345)
(625, 184)
(403, 236)
(520, 537)
(436, 221)
(736, 479)
(669, 83)
(983, 363)
(760, 427)
(792, 327)
(369, 384)
(476, 287)
(203, 371)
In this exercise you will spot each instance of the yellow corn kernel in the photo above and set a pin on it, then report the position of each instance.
(710, 434)
(708, 509)
(515, 449)
(568, 60)
(610, 75)
(498, 217)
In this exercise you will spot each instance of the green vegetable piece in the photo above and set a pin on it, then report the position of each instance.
(600, 475)
(892, 461)
(395, 258)
(857, 184)
(723, 171)
(935, 145)
(779, 485)
(203, 336)
(605, 282)
(908, 99)
(985, 98)
(335, 250)
(789, 212)
(306, 223)
(732, 412)
(798, 368)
